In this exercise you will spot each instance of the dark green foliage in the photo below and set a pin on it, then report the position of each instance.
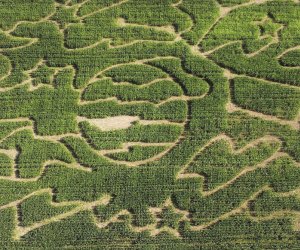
(232, 57)
(136, 133)
(218, 164)
(7, 128)
(276, 175)
(291, 58)
(254, 24)
(255, 95)
(90, 33)
(65, 15)
(137, 153)
(20, 10)
(34, 152)
(6, 165)
(169, 218)
(42, 75)
(94, 5)
(145, 110)
(8, 41)
(46, 211)
(102, 24)
(82, 228)
(7, 225)
(191, 85)
(15, 190)
(5, 66)
(84, 154)
(232, 2)
(202, 16)
(135, 73)
(155, 92)
(269, 202)
(245, 129)
(65, 62)
(53, 110)
(241, 232)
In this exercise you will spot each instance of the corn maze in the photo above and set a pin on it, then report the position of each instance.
(149, 124)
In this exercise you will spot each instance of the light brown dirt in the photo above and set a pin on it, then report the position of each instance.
(111, 123)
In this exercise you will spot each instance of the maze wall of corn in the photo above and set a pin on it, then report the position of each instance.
(150, 124)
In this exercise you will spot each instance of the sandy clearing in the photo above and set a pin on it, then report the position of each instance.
(111, 123)
(159, 122)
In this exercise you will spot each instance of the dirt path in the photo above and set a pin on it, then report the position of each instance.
(111, 123)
